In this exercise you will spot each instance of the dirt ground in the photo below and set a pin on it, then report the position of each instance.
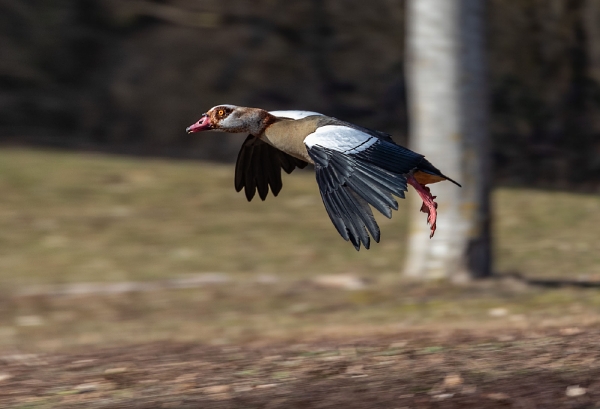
(152, 284)
(556, 368)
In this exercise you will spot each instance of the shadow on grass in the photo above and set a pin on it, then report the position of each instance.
(551, 282)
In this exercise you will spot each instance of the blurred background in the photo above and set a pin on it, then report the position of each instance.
(132, 273)
(129, 76)
(117, 225)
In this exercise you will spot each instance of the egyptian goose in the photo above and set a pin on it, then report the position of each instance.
(355, 166)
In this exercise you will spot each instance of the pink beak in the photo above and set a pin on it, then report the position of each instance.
(202, 125)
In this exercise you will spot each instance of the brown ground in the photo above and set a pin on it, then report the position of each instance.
(417, 370)
(147, 284)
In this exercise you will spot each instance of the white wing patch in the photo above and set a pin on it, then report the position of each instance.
(294, 114)
(340, 138)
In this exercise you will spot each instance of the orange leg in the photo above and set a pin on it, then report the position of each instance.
(429, 205)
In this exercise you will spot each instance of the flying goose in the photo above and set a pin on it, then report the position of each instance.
(355, 166)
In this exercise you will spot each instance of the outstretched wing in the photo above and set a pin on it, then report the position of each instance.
(258, 167)
(348, 186)
(355, 169)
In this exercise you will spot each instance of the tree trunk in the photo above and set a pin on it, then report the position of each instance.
(448, 108)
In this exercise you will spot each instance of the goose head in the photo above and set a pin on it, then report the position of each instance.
(233, 119)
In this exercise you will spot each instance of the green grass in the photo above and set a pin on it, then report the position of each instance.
(547, 234)
(68, 217)
(73, 217)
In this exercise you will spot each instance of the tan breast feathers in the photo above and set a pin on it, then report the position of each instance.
(288, 136)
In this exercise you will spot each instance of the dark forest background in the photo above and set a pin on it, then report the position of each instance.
(129, 76)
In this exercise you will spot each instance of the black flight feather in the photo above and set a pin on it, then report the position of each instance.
(258, 167)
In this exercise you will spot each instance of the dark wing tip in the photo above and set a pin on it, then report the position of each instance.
(263, 194)
(249, 193)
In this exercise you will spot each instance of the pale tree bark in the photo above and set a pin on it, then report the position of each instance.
(447, 94)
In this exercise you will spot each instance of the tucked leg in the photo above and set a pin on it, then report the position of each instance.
(429, 205)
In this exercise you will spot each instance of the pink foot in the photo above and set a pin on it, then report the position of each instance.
(429, 205)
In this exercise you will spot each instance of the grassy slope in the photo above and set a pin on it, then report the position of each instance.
(67, 217)
(72, 217)
(548, 234)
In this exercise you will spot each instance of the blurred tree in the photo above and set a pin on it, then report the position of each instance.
(128, 76)
(448, 122)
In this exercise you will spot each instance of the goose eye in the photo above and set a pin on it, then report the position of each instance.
(221, 112)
